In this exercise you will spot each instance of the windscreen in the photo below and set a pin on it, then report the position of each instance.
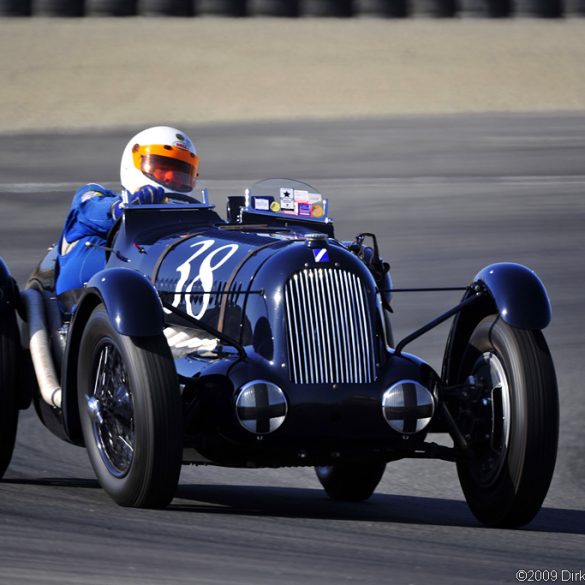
(287, 198)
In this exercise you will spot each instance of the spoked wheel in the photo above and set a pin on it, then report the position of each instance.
(9, 341)
(131, 413)
(510, 419)
(111, 411)
(351, 482)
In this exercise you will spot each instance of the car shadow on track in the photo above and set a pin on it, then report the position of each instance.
(55, 482)
(312, 503)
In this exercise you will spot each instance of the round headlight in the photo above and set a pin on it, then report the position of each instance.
(408, 407)
(261, 407)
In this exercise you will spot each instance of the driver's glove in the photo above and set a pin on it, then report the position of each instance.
(146, 195)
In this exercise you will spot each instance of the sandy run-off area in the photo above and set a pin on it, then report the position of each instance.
(97, 73)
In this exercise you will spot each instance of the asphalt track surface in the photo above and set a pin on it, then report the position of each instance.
(446, 196)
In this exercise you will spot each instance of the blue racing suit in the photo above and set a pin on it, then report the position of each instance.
(90, 218)
(92, 214)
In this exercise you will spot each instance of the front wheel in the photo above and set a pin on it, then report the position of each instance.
(510, 419)
(131, 413)
(350, 482)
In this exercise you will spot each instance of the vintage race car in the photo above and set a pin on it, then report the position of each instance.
(263, 341)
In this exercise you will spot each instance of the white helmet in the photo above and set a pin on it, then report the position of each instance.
(160, 156)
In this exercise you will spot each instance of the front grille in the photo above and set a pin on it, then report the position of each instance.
(330, 337)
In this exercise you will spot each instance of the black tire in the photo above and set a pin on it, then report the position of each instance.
(136, 403)
(485, 8)
(339, 8)
(228, 8)
(539, 8)
(58, 7)
(9, 342)
(166, 7)
(574, 8)
(511, 421)
(286, 8)
(434, 8)
(111, 7)
(350, 482)
(381, 8)
(15, 7)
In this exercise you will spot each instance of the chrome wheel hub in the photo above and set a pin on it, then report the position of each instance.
(491, 433)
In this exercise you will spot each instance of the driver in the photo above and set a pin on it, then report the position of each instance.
(156, 162)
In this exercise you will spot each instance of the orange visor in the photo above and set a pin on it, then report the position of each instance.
(172, 167)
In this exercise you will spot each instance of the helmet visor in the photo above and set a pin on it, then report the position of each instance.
(174, 174)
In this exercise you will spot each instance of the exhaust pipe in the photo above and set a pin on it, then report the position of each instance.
(40, 348)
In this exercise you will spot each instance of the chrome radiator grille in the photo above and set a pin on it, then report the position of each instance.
(330, 338)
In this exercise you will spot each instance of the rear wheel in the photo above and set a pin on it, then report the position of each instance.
(510, 419)
(9, 342)
(351, 482)
(131, 413)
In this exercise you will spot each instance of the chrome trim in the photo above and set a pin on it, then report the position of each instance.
(329, 333)
(259, 419)
(408, 417)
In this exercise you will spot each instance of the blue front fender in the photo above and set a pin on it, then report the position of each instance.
(518, 293)
(131, 301)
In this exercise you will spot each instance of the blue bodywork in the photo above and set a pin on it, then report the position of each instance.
(233, 278)
(511, 290)
(519, 295)
(128, 296)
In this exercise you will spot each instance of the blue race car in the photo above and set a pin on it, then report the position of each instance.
(263, 341)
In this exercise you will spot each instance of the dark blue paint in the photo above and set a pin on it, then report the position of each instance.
(519, 295)
(131, 301)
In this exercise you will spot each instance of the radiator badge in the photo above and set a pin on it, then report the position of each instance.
(321, 255)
